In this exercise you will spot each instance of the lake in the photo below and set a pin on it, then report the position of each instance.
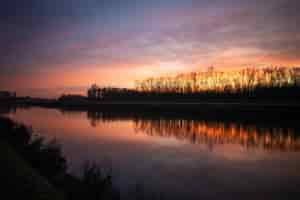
(178, 157)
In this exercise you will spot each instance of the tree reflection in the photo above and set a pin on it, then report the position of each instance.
(198, 131)
(214, 133)
(7, 109)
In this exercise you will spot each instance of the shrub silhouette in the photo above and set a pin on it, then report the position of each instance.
(46, 158)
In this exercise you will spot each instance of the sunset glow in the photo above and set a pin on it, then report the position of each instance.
(68, 45)
(138, 99)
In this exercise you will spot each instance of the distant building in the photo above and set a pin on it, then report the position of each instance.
(71, 97)
(101, 93)
(7, 95)
(95, 92)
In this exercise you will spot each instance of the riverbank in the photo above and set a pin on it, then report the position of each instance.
(21, 180)
(32, 168)
(282, 110)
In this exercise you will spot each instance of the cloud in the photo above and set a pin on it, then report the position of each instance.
(40, 37)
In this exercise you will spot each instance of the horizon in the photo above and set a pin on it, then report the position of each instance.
(53, 93)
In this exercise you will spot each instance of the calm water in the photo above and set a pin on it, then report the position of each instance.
(181, 158)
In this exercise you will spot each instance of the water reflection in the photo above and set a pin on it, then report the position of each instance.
(263, 136)
(7, 109)
(217, 159)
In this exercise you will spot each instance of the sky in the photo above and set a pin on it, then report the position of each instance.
(51, 47)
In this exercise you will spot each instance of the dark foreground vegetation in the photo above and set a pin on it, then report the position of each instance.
(32, 168)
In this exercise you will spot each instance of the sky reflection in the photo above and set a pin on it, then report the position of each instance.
(214, 158)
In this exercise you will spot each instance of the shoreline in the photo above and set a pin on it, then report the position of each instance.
(252, 110)
(155, 103)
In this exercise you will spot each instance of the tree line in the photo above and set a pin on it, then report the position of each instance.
(213, 81)
(269, 82)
